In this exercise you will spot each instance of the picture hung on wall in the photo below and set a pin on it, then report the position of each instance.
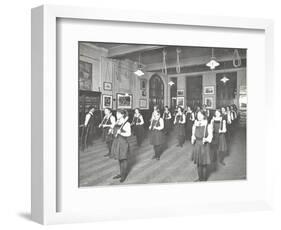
(107, 86)
(143, 93)
(180, 101)
(209, 90)
(143, 103)
(85, 75)
(209, 102)
(124, 101)
(106, 101)
(180, 93)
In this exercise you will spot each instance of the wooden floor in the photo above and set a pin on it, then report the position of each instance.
(175, 164)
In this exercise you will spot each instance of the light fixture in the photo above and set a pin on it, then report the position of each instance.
(224, 79)
(171, 83)
(139, 71)
(213, 63)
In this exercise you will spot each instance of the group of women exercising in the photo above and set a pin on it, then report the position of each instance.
(209, 134)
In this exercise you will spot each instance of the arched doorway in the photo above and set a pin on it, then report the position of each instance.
(156, 92)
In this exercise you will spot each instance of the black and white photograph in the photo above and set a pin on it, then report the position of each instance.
(161, 114)
(107, 101)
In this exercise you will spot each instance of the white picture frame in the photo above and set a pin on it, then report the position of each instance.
(124, 101)
(209, 90)
(51, 184)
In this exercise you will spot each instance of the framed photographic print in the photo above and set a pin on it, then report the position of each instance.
(180, 93)
(143, 103)
(180, 101)
(209, 89)
(106, 101)
(209, 102)
(73, 184)
(124, 101)
(143, 93)
(107, 86)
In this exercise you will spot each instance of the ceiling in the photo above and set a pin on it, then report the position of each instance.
(152, 54)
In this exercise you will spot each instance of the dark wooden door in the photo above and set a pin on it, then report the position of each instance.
(193, 90)
(156, 92)
(226, 92)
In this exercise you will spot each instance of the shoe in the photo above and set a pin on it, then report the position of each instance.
(178, 145)
(158, 158)
(107, 155)
(153, 157)
(117, 177)
(122, 180)
(222, 163)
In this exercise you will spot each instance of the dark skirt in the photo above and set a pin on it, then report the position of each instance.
(219, 142)
(180, 129)
(157, 137)
(188, 130)
(201, 153)
(120, 148)
(139, 130)
(167, 125)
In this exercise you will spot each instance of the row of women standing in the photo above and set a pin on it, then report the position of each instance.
(205, 134)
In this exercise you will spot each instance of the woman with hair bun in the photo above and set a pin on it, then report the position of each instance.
(201, 138)
(137, 125)
(157, 138)
(120, 145)
(180, 126)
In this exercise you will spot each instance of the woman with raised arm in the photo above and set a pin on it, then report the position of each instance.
(120, 145)
(179, 122)
(167, 116)
(107, 125)
(137, 125)
(219, 142)
(157, 138)
(201, 138)
(190, 117)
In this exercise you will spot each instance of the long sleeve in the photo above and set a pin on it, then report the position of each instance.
(161, 124)
(112, 120)
(126, 130)
(183, 119)
(87, 118)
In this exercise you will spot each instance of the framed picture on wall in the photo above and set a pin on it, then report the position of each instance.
(209, 90)
(143, 103)
(107, 86)
(124, 101)
(180, 101)
(180, 92)
(209, 102)
(106, 101)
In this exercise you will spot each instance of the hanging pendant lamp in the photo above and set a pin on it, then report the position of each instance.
(213, 63)
(139, 71)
